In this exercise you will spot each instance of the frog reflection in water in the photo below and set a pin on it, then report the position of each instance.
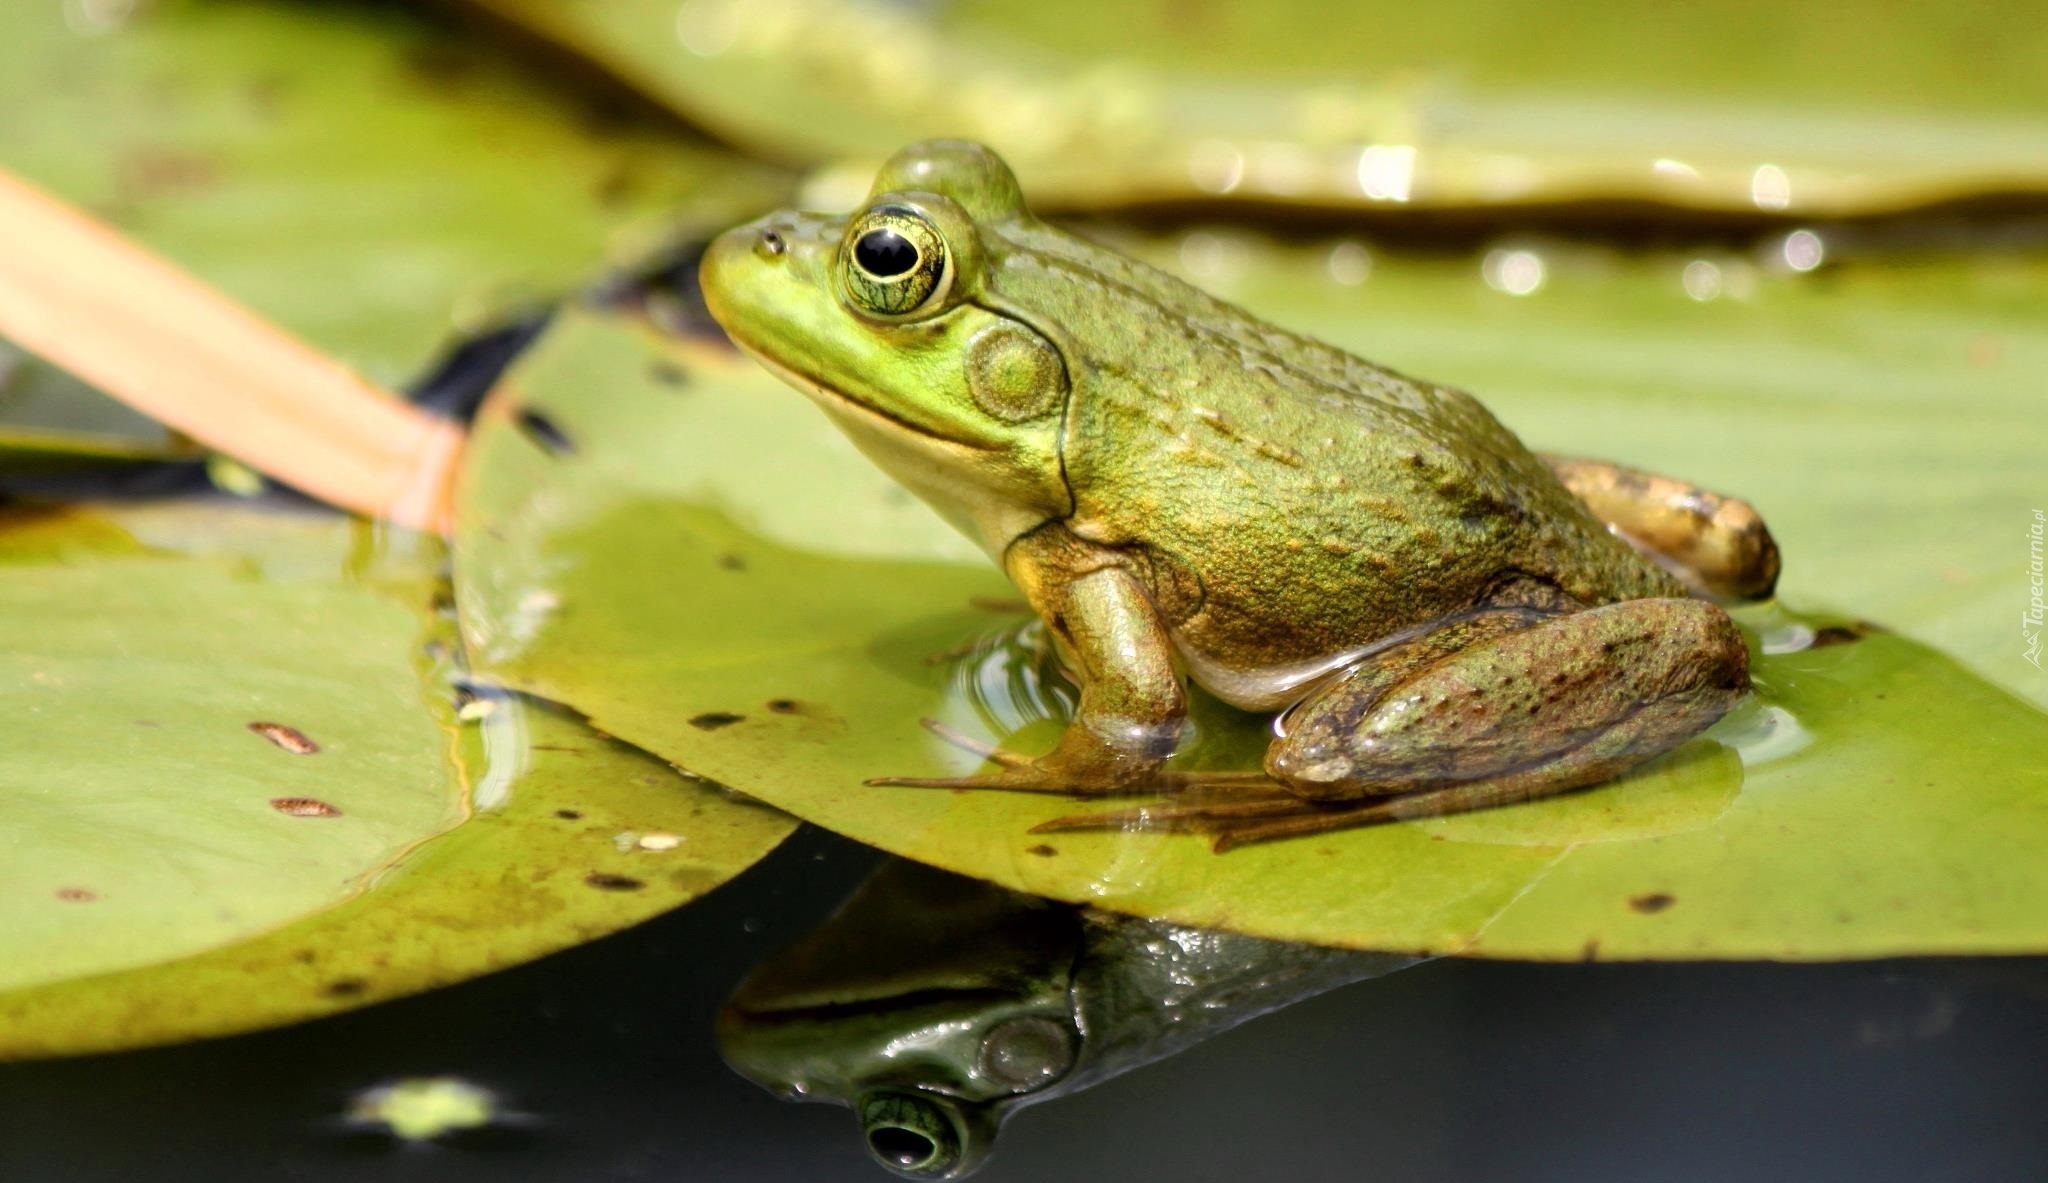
(936, 1006)
(1440, 619)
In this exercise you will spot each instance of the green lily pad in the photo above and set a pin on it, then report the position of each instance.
(1355, 108)
(238, 792)
(709, 572)
(366, 179)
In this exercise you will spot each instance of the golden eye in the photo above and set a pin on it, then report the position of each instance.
(895, 262)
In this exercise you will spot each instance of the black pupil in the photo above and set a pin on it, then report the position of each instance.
(884, 254)
(905, 1148)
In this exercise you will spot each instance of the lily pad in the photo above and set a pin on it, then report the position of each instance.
(367, 179)
(238, 794)
(708, 572)
(50, 420)
(1353, 108)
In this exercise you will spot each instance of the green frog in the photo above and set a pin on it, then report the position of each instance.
(1437, 618)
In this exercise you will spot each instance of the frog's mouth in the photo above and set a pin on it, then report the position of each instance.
(832, 396)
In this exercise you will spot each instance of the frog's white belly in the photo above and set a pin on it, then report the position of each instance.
(1282, 684)
(1268, 688)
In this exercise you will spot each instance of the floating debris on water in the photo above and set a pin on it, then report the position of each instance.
(422, 1108)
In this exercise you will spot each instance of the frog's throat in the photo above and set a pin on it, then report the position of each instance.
(992, 523)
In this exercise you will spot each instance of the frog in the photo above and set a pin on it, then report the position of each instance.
(1436, 618)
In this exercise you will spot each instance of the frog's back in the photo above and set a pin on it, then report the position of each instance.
(1321, 502)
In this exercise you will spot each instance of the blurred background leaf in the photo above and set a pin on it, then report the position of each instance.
(357, 174)
(1723, 107)
(50, 420)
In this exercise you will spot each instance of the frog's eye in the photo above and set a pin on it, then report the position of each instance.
(896, 262)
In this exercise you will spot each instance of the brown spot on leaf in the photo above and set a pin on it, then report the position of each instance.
(732, 562)
(303, 807)
(152, 172)
(440, 66)
(1652, 903)
(1837, 634)
(568, 815)
(544, 432)
(291, 739)
(77, 895)
(1592, 950)
(265, 94)
(713, 720)
(667, 373)
(616, 187)
(606, 881)
(785, 706)
(1042, 850)
(345, 987)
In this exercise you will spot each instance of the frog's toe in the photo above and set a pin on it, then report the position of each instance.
(993, 780)
(1205, 802)
(1024, 777)
(967, 743)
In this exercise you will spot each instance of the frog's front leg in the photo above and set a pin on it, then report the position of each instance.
(1566, 702)
(1717, 544)
(1132, 703)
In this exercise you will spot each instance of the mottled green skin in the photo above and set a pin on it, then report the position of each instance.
(1173, 482)
(1319, 502)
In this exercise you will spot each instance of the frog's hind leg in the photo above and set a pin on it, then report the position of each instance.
(1203, 795)
(1561, 704)
(1650, 732)
(1719, 545)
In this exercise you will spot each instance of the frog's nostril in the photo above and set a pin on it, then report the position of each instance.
(770, 244)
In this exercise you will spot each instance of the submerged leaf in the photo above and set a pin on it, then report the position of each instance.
(724, 582)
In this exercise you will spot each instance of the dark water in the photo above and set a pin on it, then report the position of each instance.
(1466, 1071)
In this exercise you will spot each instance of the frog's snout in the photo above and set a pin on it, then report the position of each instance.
(745, 264)
(736, 262)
